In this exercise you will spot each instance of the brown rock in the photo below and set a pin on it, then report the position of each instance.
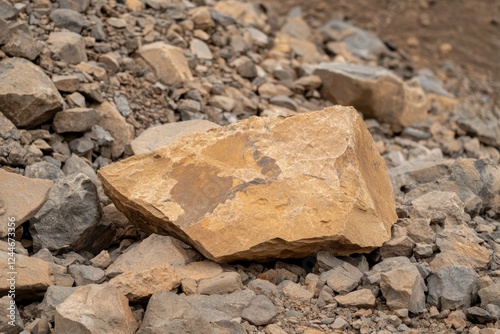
(75, 120)
(201, 17)
(111, 120)
(358, 298)
(66, 83)
(95, 309)
(207, 188)
(33, 276)
(21, 198)
(376, 92)
(27, 96)
(168, 62)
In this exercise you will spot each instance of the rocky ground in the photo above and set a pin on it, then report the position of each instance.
(82, 85)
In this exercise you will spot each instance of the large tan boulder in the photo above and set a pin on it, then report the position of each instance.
(263, 188)
(375, 91)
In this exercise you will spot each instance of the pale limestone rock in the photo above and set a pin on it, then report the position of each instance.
(375, 91)
(95, 309)
(168, 62)
(21, 198)
(163, 135)
(263, 188)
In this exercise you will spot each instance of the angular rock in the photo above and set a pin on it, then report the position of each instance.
(478, 315)
(75, 120)
(85, 275)
(54, 296)
(201, 17)
(145, 255)
(29, 99)
(168, 62)
(68, 218)
(361, 43)
(221, 284)
(252, 166)
(402, 284)
(95, 309)
(343, 278)
(33, 277)
(10, 319)
(140, 285)
(80, 6)
(43, 170)
(21, 198)
(241, 12)
(112, 121)
(67, 46)
(158, 136)
(490, 295)
(359, 298)
(7, 11)
(260, 312)
(68, 19)
(376, 92)
(295, 291)
(169, 313)
(200, 49)
(452, 287)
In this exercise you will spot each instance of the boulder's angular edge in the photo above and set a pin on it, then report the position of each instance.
(263, 188)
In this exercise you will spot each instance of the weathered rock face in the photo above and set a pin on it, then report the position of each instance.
(27, 96)
(263, 188)
(375, 91)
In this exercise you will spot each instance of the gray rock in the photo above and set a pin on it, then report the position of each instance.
(221, 284)
(68, 19)
(68, 218)
(30, 99)
(169, 313)
(7, 11)
(431, 84)
(82, 145)
(284, 101)
(200, 49)
(75, 120)
(84, 275)
(361, 43)
(43, 170)
(343, 278)
(494, 311)
(53, 297)
(245, 67)
(261, 311)
(122, 105)
(67, 46)
(452, 287)
(478, 315)
(10, 319)
(76, 5)
(263, 287)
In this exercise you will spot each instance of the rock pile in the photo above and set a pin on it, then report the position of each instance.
(384, 221)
